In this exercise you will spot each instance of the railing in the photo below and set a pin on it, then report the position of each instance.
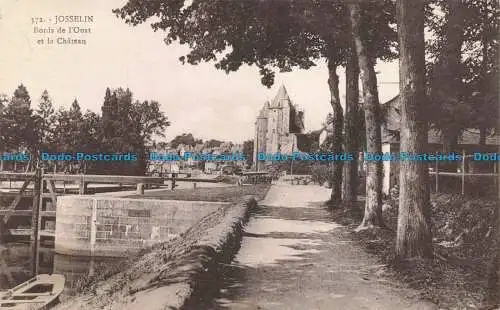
(462, 174)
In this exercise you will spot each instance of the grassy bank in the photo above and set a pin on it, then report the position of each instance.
(464, 244)
(156, 267)
(224, 194)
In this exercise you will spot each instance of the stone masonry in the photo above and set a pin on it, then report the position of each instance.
(109, 226)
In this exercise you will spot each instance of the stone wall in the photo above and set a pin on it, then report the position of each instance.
(177, 274)
(110, 226)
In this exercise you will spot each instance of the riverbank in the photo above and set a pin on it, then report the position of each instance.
(173, 273)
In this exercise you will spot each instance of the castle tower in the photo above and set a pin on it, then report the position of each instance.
(276, 125)
(260, 139)
(278, 120)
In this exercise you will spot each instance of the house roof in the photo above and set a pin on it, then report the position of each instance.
(392, 124)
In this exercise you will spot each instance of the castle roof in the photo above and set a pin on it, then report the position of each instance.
(280, 96)
(262, 112)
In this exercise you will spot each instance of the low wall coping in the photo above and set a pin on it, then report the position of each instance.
(95, 197)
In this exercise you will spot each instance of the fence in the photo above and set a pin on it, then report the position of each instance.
(43, 193)
(471, 177)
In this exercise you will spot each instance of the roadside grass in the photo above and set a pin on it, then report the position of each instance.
(464, 245)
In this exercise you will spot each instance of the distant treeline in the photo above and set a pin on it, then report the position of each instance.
(125, 125)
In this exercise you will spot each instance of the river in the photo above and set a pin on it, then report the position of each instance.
(16, 265)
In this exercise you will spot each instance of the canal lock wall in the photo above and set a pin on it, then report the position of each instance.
(119, 227)
(176, 274)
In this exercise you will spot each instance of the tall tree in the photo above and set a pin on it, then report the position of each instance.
(107, 114)
(69, 130)
(148, 121)
(373, 206)
(414, 237)
(338, 123)
(463, 67)
(268, 34)
(447, 78)
(45, 122)
(20, 131)
(352, 140)
(91, 140)
(3, 126)
(248, 151)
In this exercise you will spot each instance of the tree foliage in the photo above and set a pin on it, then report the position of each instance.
(130, 125)
(126, 126)
(270, 35)
(248, 151)
(45, 123)
(19, 129)
(267, 34)
(186, 139)
(463, 65)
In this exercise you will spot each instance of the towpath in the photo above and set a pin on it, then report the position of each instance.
(293, 257)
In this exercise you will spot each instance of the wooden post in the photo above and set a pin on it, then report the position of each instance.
(35, 220)
(495, 177)
(3, 229)
(463, 172)
(83, 187)
(140, 188)
(40, 223)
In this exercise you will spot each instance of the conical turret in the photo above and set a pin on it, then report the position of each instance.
(281, 96)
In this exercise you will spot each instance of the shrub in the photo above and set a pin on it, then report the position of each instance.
(322, 173)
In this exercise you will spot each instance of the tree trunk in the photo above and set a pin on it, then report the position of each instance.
(142, 163)
(414, 238)
(493, 296)
(352, 143)
(484, 65)
(338, 118)
(482, 136)
(450, 72)
(373, 205)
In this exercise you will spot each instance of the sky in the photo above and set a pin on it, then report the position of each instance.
(200, 99)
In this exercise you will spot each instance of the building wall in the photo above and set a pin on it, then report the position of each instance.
(116, 227)
(272, 135)
(259, 141)
(289, 143)
(390, 168)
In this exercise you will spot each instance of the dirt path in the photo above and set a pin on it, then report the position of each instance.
(293, 257)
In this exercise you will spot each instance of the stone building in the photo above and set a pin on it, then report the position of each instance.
(277, 127)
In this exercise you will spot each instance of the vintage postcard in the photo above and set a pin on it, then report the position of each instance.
(249, 154)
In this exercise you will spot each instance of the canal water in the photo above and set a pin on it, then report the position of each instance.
(16, 266)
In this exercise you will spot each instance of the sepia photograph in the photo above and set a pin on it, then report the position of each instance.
(249, 155)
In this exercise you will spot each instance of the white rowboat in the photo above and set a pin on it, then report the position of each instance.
(38, 293)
